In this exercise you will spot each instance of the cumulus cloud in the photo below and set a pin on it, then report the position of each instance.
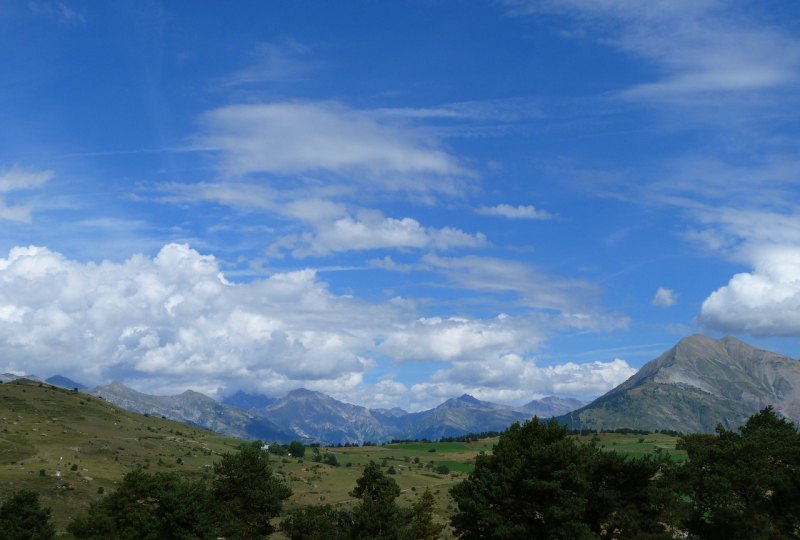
(17, 179)
(514, 212)
(765, 301)
(510, 378)
(457, 338)
(176, 317)
(290, 138)
(665, 298)
(175, 321)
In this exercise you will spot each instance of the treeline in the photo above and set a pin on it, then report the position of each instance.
(539, 482)
(626, 431)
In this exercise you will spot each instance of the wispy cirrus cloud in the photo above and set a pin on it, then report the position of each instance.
(58, 11)
(700, 46)
(533, 287)
(328, 138)
(16, 180)
(287, 60)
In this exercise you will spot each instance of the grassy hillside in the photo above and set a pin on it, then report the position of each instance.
(69, 446)
(654, 406)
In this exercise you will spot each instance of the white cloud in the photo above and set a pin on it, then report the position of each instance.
(243, 195)
(494, 110)
(17, 179)
(763, 302)
(334, 228)
(57, 10)
(174, 321)
(386, 393)
(757, 225)
(514, 212)
(744, 232)
(177, 317)
(291, 138)
(700, 45)
(282, 61)
(372, 230)
(459, 339)
(665, 298)
(534, 287)
(512, 379)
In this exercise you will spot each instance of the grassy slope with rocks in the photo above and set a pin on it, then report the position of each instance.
(69, 446)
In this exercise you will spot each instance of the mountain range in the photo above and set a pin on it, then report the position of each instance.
(316, 417)
(196, 409)
(696, 385)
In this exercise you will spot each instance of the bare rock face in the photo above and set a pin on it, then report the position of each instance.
(696, 385)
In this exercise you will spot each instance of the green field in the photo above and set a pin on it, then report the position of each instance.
(636, 446)
(69, 447)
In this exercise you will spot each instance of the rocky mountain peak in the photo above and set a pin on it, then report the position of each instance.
(304, 393)
(697, 384)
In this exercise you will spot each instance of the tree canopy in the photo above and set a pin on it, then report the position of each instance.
(242, 499)
(743, 485)
(246, 494)
(23, 518)
(540, 483)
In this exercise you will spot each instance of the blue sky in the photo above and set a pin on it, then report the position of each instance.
(394, 202)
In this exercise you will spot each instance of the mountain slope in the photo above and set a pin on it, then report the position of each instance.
(697, 384)
(196, 409)
(551, 406)
(64, 382)
(9, 377)
(459, 416)
(252, 403)
(318, 417)
(46, 430)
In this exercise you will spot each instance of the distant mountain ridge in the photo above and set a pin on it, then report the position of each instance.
(695, 385)
(9, 377)
(196, 409)
(65, 382)
(316, 417)
(692, 387)
(247, 401)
